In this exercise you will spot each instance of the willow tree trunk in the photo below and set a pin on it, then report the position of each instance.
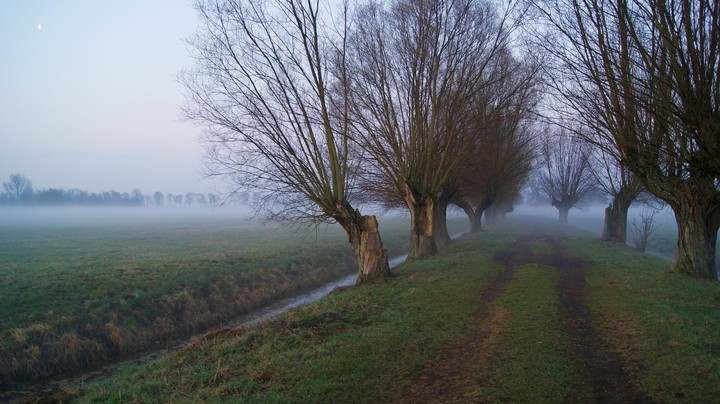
(696, 204)
(442, 237)
(365, 241)
(615, 229)
(495, 212)
(476, 220)
(697, 238)
(422, 225)
(470, 212)
(563, 211)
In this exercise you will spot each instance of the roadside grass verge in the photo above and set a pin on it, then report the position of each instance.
(74, 295)
(667, 322)
(360, 345)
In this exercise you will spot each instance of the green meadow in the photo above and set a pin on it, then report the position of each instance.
(78, 289)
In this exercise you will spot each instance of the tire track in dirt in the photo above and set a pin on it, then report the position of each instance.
(601, 369)
(444, 380)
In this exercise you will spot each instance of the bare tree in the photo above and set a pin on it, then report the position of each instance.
(417, 66)
(566, 177)
(270, 85)
(19, 189)
(212, 199)
(497, 171)
(643, 231)
(647, 74)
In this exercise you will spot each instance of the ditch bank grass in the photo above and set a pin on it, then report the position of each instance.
(120, 319)
(75, 296)
(372, 343)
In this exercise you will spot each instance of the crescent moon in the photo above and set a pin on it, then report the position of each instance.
(40, 27)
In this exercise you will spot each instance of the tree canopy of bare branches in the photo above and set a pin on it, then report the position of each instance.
(566, 177)
(269, 86)
(501, 158)
(417, 66)
(18, 189)
(646, 74)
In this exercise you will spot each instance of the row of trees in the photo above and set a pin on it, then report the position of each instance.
(18, 191)
(639, 80)
(405, 103)
(426, 103)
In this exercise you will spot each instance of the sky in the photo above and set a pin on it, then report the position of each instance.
(89, 97)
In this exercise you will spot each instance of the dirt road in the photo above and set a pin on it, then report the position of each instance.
(601, 371)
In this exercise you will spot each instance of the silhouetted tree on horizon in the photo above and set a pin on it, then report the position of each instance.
(18, 189)
(566, 176)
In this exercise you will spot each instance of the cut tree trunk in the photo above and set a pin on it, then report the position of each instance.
(365, 241)
(615, 229)
(422, 225)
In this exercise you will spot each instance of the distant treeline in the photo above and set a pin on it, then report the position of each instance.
(18, 191)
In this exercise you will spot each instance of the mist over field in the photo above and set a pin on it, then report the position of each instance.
(87, 216)
(588, 217)
(144, 219)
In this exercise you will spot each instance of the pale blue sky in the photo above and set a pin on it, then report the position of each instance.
(90, 101)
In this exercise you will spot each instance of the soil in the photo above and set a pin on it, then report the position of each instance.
(601, 369)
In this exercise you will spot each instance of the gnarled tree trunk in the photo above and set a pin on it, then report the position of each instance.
(422, 225)
(442, 237)
(481, 209)
(615, 228)
(697, 238)
(494, 212)
(366, 243)
(470, 212)
(696, 204)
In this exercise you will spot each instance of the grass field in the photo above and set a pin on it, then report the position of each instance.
(78, 288)
(436, 324)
